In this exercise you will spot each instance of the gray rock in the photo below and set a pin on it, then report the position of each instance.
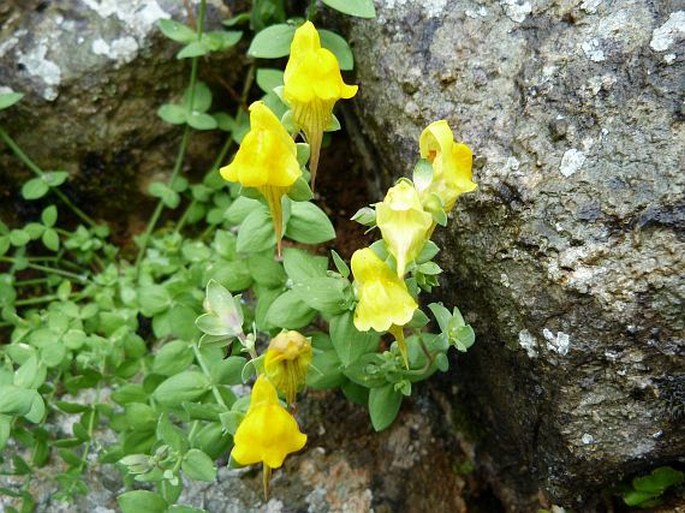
(94, 73)
(568, 259)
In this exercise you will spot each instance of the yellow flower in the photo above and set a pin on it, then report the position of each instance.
(287, 361)
(311, 85)
(267, 161)
(268, 433)
(452, 162)
(404, 224)
(383, 297)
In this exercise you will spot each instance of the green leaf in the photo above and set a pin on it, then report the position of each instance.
(129, 393)
(174, 357)
(9, 99)
(5, 429)
(16, 400)
(268, 79)
(384, 405)
(350, 343)
(273, 42)
(55, 178)
(325, 371)
(49, 215)
(359, 8)
(340, 265)
(173, 113)
(139, 501)
(235, 276)
(186, 386)
(202, 98)
(337, 44)
(309, 224)
(238, 211)
(218, 40)
(177, 31)
(50, 239)
(256, 233)
(19, 238)
(300, 265)
(327, 295)
(34, 189)
(202, 121)
(266, 271)
(37, 412)
(194, 49)
(27, 375)
(289, 311)
(228, 371)
(153, 299)
(197, 465)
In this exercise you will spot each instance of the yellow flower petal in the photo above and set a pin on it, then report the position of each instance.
(267, 155)
(452, 163)
(383, 297)
(404, 224)
(287, 361)
(268, 433)
(312, 83)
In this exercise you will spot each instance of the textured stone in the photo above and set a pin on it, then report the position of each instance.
(345, 468)
(94, 73)
(569, 257)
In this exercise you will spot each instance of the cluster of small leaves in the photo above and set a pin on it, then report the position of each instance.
(647, 491)
(153, 350)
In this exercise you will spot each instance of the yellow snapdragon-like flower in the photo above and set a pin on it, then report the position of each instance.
(311, 85)
(404, 224)
(383, 297)
(268, 433)
(287, 361)
(452, 162)
(267, 161)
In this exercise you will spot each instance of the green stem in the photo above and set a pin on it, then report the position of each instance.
(203, 365)
(51, 270)
(160, 205)
(182, 149)
(39, 172)
(217, 163)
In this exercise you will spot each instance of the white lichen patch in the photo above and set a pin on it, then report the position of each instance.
(122, 50)
(559, 343)
(528, 342)
(571, 162)
(669, 58)
(593, 50)
(36, 64)
(516, 10)
(431, 8)
(669, 33)
(138, 17)
(590, 6)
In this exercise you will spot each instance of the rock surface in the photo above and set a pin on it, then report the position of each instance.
(94, 73)
(569, 257)
(345, 468)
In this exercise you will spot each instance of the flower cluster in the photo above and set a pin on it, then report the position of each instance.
(406, 218)
(269, 432)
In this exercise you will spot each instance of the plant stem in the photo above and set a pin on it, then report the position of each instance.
(203, 365)
(217, 162)
(182, 149)
(39, 172)
(77, 277)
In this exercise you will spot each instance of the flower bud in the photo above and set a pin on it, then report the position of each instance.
(287, 361)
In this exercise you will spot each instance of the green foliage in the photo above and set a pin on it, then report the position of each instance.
(645, 491)
(170, 332)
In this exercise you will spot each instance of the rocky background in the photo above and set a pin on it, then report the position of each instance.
(568, 259)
